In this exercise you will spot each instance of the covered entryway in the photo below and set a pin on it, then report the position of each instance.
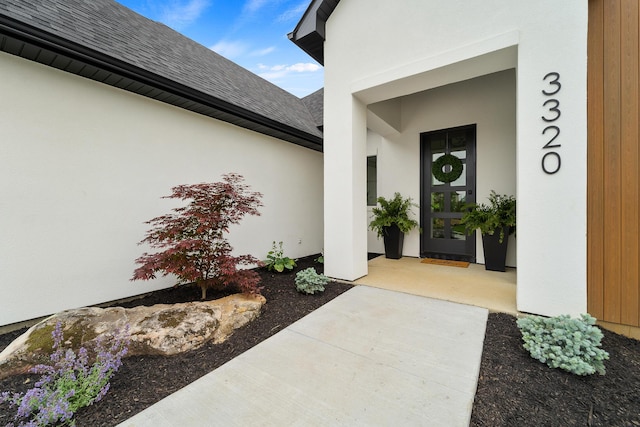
(492, 72)
(466, 129)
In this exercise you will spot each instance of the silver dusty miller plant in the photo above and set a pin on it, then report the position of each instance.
(565, 343)
(310, 282)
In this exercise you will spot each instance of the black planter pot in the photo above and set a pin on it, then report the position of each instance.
(393, 241)
(495, 253)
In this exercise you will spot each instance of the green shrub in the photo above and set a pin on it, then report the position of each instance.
(276, 261)
(565, 343)
(393, 211)
(492, 217)
(310, 282)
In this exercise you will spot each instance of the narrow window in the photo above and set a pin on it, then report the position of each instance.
(372, 180)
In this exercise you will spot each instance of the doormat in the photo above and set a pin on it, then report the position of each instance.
(447, 262)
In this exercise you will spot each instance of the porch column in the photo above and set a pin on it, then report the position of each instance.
(552, 176)
(345, 176)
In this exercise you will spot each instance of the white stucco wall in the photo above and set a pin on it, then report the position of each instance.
(83, 165)
(377, 50)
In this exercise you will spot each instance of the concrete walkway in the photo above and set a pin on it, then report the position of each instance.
(370, 357)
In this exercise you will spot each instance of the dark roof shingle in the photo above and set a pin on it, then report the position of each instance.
(315, 105)
(120, 34)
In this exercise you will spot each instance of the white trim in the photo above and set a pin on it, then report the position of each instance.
(469, 61)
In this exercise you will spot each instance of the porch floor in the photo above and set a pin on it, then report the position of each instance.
(474, 285)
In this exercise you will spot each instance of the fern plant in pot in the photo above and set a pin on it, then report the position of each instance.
(391, 221)
(496, 221)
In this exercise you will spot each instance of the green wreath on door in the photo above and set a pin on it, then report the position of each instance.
(439, 166)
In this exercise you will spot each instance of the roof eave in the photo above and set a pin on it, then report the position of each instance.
(309, 34)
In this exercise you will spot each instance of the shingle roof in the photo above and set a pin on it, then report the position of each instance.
(117, 43)
(315, 105)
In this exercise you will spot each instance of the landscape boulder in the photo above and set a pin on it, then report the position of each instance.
(163, 329)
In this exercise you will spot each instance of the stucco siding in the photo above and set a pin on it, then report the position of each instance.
(377, 51)
(83, 165)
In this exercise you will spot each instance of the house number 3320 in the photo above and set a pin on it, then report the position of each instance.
(551, 160)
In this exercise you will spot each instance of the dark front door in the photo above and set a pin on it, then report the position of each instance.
(448, 164)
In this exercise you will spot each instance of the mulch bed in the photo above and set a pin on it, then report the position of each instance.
(513, 389)
(516, 390)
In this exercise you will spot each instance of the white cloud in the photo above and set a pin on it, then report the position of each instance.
(263, 52)
(293, 13)
(276, 72)
(179, 14)
(229, 49)
(301, 67)
(253, 5)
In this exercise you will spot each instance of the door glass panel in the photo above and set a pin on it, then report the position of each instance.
(461, 181)
(458, 201)
(438, 143)
(457, 230)
(437, 202)
(461, 153)
(458, 140)
(434, 180)
(372, 180)
(437, 228)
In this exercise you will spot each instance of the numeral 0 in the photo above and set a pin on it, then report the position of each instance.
(547, 164)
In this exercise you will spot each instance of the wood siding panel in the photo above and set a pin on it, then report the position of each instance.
(595, 161)
(613, 201)
(629, 161)
(612, 173)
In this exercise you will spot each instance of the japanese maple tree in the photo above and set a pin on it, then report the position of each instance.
(192, 239)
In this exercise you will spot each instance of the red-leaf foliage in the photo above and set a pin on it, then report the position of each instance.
(191, 239)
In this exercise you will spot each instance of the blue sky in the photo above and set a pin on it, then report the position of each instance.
(251, 33)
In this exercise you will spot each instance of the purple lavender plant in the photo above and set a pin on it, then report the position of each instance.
(68, 383)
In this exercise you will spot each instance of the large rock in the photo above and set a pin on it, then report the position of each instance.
(164, 329)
